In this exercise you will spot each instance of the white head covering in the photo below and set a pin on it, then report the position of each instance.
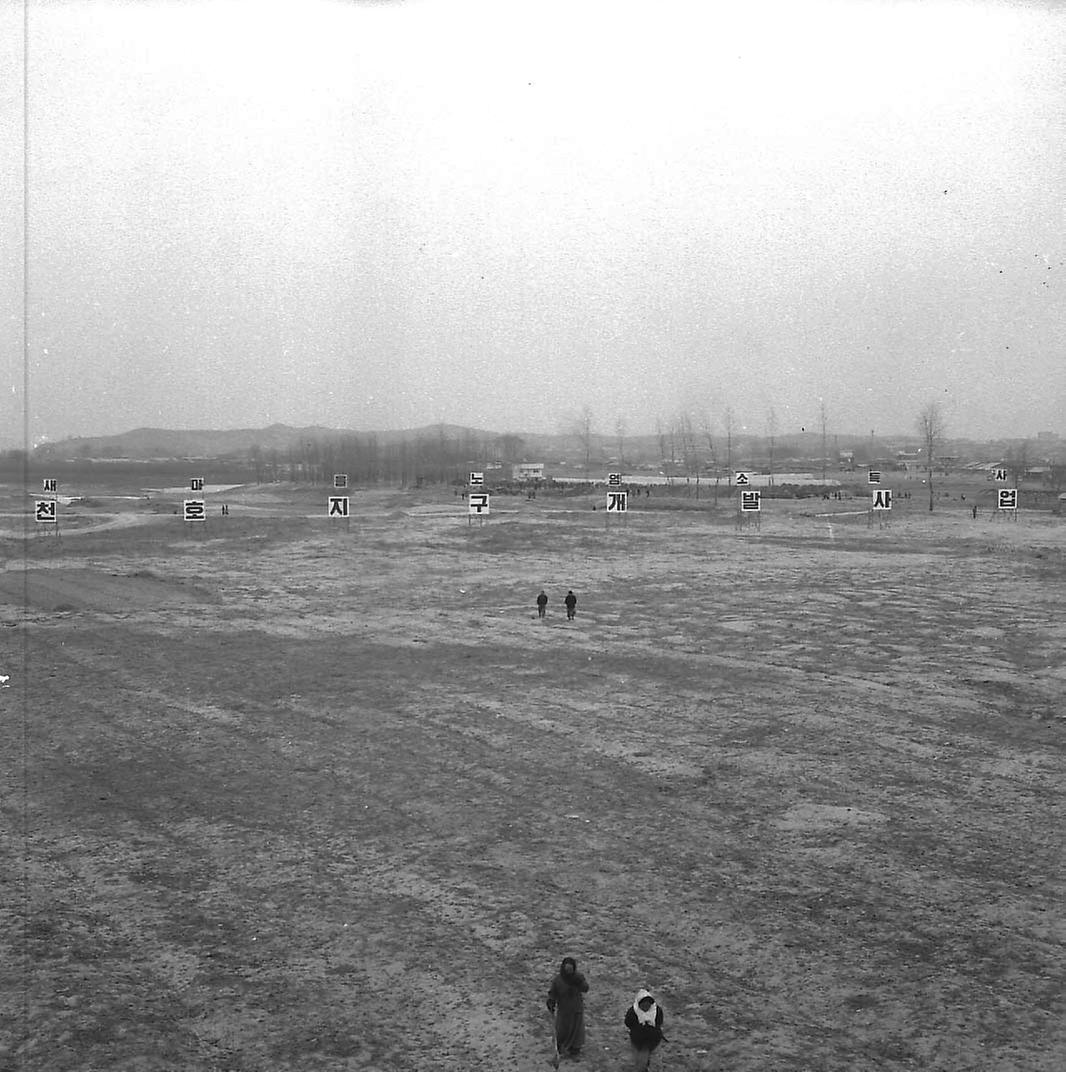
(642, 1016)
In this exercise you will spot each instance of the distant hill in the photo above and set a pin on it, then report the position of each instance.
(160, 443)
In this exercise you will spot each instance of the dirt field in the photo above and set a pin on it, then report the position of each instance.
(284, 794)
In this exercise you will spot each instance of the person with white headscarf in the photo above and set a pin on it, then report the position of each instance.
(644, 1020)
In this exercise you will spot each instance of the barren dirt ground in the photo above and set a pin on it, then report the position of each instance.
(286, 794)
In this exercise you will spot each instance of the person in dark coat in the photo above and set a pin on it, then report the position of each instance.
(542, 602)
(571, 605)
(566, 1002)
(644, 1021)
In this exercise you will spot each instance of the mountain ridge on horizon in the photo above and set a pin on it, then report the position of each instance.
(168, 442)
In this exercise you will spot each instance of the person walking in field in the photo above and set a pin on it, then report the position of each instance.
(542, 602)
(644, 1021)
(571, 605)
(566, 1003)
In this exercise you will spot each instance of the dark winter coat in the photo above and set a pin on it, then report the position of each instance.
(644, 1036)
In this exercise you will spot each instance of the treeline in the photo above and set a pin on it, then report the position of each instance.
(436, 458)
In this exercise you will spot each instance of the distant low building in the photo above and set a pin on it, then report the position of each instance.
(528, 471)
(673, 469)
(909, 460)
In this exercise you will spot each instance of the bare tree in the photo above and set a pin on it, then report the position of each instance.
(771, 435)
(444, 452)
(1018, 462)
(402, 467)
(707, 431)
(707, 434)
(729, 423)
(931, 429)
(373, 458)
(620, 436)
(473, 449)
(510, 447)
(255, 453)
(581, 429)
(1057, 477)
(328, 459)
(690, 452)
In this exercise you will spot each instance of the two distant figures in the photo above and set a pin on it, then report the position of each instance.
(570, 602)
(566, 1002)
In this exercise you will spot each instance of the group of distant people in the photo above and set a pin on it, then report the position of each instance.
(566, 1002)
(570, 602)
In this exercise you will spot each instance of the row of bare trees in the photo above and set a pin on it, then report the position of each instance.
(436, 456)
(692, 443)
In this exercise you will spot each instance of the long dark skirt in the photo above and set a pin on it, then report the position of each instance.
(569, 1027)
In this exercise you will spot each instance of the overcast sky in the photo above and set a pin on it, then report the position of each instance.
(373, 215)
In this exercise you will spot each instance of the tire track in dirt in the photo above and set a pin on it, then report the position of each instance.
(502, 1036)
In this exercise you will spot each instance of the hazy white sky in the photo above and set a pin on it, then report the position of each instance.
(493, 213)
